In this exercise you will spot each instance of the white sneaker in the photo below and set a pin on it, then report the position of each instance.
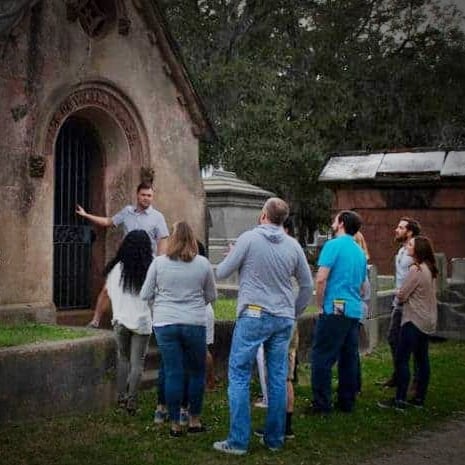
(184, 417)
(160, 417)
(261, 404)
(272, 449)
(223, 446)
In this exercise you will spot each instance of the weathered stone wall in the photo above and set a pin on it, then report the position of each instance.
(443, 220)
(48, 59)
(371, 334)
(53, 378)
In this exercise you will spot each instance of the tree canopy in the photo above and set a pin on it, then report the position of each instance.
(288, 81)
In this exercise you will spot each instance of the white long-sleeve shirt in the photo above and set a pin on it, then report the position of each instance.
(128, 309)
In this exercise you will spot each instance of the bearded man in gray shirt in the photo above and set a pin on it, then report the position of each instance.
(406, 229)
(141, 216)
(266, 258)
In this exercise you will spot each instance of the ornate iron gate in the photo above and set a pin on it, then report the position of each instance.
(72, 235)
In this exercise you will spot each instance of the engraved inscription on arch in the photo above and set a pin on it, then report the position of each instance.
(97, 98)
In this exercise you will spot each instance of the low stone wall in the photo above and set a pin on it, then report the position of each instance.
(53, 378)
(451, 311)
(372, 332)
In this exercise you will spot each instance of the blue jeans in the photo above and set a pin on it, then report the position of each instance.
(249, 332)
(161, 399)
(183, 346)
(412, 341)
(336, 338)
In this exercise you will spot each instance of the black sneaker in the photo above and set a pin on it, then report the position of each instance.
(315, 410)
(259, 432)
(417, 403)
(343, 407)
(398, 405)
(131, 407)
(289, 434)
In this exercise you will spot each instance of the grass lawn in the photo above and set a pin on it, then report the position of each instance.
(114, 438)
(225, 309)
(27, 333)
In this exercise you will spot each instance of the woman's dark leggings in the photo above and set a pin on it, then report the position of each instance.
(412, 341)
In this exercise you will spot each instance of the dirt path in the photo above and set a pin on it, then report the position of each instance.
(443, 446)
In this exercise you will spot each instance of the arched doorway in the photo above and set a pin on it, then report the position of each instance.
(102, 122)
(78, 180)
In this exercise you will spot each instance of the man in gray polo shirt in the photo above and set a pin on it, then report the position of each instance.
(141, 216)
(406, 229)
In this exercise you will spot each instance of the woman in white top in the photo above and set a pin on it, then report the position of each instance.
(181, 283)
(132, 319)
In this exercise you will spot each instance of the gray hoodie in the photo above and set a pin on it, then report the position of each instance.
(267, 258)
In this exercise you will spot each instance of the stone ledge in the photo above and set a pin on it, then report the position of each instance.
(372, 332)
(59, 377)
(35, 312)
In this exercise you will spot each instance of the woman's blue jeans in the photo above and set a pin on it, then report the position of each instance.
(183, 346)
(161, 399)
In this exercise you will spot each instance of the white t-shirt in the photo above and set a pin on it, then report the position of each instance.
(210, 325)
(128, 309)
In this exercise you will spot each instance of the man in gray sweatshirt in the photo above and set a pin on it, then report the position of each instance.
(266, 258)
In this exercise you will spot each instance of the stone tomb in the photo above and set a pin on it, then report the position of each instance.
(234, 206)
(383, 187)
(94, 99)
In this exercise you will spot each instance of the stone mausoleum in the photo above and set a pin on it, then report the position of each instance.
(234, 206)
(94, 98)
(383, 187)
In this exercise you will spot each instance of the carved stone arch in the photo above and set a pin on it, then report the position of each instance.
(115, 171)
(103, 96)
(94, 100)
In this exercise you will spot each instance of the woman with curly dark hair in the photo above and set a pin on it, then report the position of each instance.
(419, 318)
(181, 284)
(132, 319)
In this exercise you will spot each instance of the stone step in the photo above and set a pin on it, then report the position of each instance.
(150, 374)
(80, 318)
(152, 359)
(149, 379)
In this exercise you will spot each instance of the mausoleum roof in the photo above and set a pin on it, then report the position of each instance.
(226, 182)
(421, 166)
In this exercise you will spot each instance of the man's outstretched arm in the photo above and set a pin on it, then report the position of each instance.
(101, 221)
(234, 258)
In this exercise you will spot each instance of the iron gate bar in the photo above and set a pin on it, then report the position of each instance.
(75, 147)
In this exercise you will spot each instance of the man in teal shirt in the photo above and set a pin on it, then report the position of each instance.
(339, 286)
